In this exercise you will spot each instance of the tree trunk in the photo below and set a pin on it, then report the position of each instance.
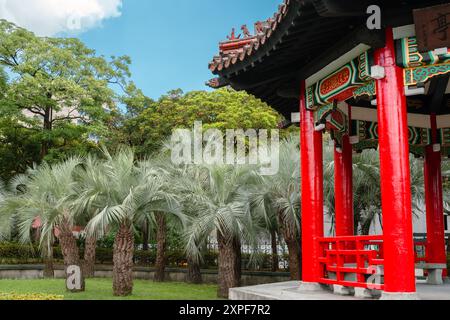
(229, 260)
(145, 237)
(274, 251)
(47, 126)
(237, 247)
(71, 256)
(123, 262)
(161, 230)
(49, 271)
(90, 245)
(294, 243)
(295, 265)
(194, 274)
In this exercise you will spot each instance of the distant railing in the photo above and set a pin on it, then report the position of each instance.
(420, 248)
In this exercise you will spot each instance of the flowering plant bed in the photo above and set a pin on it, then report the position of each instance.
(30, 296)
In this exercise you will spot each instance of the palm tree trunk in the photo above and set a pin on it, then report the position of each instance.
(49, 271)
(295, 266)
(274, 245)
(238, 252)
(229, 272)
(89, 256)
(294, 244)
(161, 238)
(71, 255)
(123, 262)
(194, 274)
(145, 237)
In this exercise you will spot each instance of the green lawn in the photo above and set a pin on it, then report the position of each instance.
(101, 289)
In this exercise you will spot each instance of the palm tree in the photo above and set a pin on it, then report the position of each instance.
(278, 200)
(86, 177)
(188, 178)
(46, 199)
(161, 221)
(221, 196)
(9, 220)
(175, 177)
(125, 193)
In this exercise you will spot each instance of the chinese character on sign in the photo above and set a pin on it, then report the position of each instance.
(433, 27)
(442, 26)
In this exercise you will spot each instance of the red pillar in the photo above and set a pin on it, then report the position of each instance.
(312, 191)
(395, 174)
(436, 253)
(343, 188)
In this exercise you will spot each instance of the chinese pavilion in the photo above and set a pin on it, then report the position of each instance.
(369, 86)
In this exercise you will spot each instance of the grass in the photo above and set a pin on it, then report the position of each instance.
(101, 289)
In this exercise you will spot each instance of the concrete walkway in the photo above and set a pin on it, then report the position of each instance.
(290, 291)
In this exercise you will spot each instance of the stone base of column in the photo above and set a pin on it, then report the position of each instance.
(399, 296)
(312, 287)
(367, 294)
(435, 277)
(342, 291)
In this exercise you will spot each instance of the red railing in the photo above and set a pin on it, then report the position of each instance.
(353, 261)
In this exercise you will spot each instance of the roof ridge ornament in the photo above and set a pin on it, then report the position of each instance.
(233, 36)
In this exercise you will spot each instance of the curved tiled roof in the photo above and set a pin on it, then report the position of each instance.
(237, 50)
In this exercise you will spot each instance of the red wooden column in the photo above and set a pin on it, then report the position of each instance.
(312, 191)
(343, 188)
(436, 253)
(399, 257)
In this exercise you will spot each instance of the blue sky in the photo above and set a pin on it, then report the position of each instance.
(172, 41)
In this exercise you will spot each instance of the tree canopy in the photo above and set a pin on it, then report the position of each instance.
(56, 95)
(149, 122)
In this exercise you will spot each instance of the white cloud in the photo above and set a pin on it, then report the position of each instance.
(49, 17)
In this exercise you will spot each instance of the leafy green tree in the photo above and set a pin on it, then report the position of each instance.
(57, 87)
(148, 123)
(19, 148)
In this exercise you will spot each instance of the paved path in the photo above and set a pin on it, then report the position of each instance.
(290, 291)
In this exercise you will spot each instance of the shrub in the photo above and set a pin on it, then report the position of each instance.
(104, 255)
(210, 259)
(145, 257)
(15, 253)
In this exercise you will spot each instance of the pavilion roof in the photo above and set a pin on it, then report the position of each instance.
(301, 38)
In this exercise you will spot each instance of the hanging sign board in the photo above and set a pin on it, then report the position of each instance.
(433, 27)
